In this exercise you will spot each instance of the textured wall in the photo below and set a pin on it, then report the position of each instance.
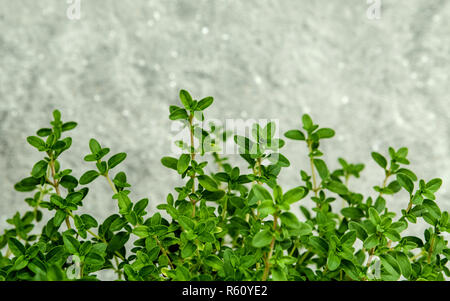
(115, 71)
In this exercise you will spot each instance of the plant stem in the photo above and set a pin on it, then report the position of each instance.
(294, 248)
(371, 253)
(8, 252)
(118, 271)
(430, 251)
(111, 184)
(272, 245)
(303, 257)
(56, 184)
(164, 251)
(313, 172)
(191, 132)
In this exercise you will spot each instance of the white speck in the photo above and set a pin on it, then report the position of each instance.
(112, 34)
(244, 114)
(156, 15)
(258, 80)
(141, 62)
(414, 75)
(174, 53)
(225, 37)
(424, 59)
(205, 30)
(157, 67)
(172, 76)
(345, 100)
(173, 84)
(126, 113)
(97, 98)
(150, 23)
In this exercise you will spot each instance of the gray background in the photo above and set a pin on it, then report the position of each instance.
(379, 83)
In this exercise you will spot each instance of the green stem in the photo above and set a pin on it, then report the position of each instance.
(191, 132)
(164, 251)
(303, 257)
(430, 250)
(313, 171)
(56, 185)
(272, 245)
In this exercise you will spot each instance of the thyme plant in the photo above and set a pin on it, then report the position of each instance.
(231, 224)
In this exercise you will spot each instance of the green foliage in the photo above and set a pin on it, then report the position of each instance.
(230, 224)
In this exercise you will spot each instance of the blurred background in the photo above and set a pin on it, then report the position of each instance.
(377, 82)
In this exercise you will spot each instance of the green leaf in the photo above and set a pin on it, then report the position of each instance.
(39, 169)
(68, 126)
(390, 266)
(44, 132)
(319, 244)
(405, 264)
(408, 173)
(380, 159)
(405, 182)
(88, 221)
(278, 274)
(69, 182)
(188, 250)
(142, 231)
(88, 177)
(214, 262)
(186, 222)
(432, 208)
(289, 220)
(336, 187)
(322, 168)
(118, 241)
(72, 245)
(59, 218)
(204, 103)
(325, 133)
(434, 185)
(269, 131)
(186, 99)
(207, 182)
(307, 122)
(170, 162)
(295, 135)
(261, 193)
(348, 238)
(183, 163)
(20, 263)
(94, 259)
(16, 247)
(94, 146)
(350, 269)
(37, 143)
(116, 160)
(374, 216)
(371, 241)
(262, 239)
(27, 184)
(294, 195)
(179, 114)
(333, 261)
